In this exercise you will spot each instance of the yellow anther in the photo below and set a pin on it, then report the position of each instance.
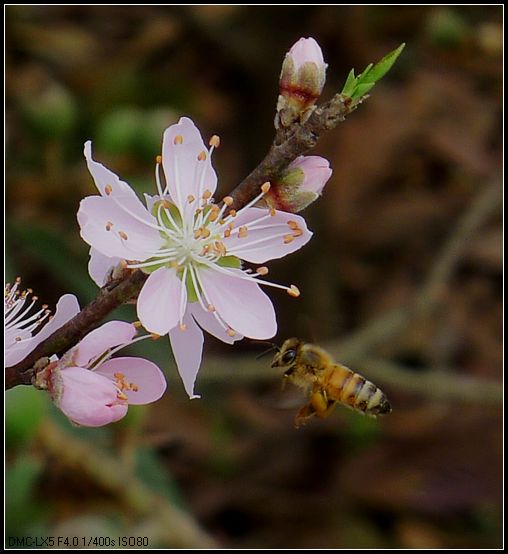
(183, 327)
(108, 189)
(230, 332)
(242, 231)
(166, 204)
(219, 247)
(263, 270)
(215, 141)
(137, 324)
(292, 224)
(109, 225)
(119, 375)
(228, 200)
(123, 235)
(205, 232)
(121, 396)
(134, 387)
(198, 232)
(288, 239)
(272, 212)
(190, 199)
(232, 213)
(293, 291)
(297, 233)
(265, 187)
(207, 194)
(227, 233)
(214, 213)
(174, 264)
(210, 308)
(202, 156)
(158, 159)
(178, 139)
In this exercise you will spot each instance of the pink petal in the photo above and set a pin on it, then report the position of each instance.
(187, 349)
(17, 350)
(307, 50)
(104, 177)
(143, 373)
(127, 237)
(182, 169)
(159, 301)
(209, 323)
(89, 399)
(98, 341)
(247, 248)
(66, 308)
(316, 171)
(241, 303)
(100, 266)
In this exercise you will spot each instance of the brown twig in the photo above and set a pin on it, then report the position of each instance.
(290, 144)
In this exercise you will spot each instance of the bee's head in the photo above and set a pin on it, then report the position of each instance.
(286, 356)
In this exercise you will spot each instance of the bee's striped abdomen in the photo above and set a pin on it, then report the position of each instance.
(353, 390)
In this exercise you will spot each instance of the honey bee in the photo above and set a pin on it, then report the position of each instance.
(328, 383)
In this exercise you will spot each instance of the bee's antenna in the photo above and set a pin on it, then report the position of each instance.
(273, 347)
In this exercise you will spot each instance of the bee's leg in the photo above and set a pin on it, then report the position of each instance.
(322, 405)
(329, 409)
(305, 413)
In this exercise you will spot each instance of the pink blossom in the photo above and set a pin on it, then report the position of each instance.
(316, 172)
(307, 50)
(22, 325)
(192, 248)
(299, 185)
(92, 389)
(302, 78)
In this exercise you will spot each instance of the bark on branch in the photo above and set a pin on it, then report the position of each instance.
(291, 143)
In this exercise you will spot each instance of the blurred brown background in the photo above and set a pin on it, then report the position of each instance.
(402, 280)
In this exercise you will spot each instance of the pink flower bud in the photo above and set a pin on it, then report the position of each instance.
(87, 398)
(302, 80)
(93, 389)
(300, 184)
(307, 50)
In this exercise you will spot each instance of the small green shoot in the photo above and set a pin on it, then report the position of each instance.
(357, 87)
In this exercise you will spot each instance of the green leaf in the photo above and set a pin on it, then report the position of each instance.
(383, 66)
(356, 87)
(364, 73)
(363, 89)
(350, 84)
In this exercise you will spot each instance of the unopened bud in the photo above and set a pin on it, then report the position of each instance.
(298, 185)
(302, 79)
